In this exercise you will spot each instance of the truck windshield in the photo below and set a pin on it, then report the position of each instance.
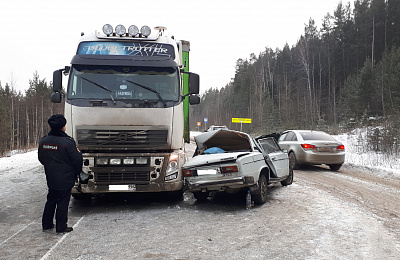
(124, 83)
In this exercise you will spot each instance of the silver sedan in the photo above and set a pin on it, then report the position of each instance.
(312, 147)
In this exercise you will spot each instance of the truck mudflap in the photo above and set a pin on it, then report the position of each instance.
(92, 188)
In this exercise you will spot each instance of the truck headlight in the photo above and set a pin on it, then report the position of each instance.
(133, 30)
(141, 160)
(120, 30)
(129, 161)
(101, 161)
(107, 29)
(172, 167)
(115, 161)
(145, 31)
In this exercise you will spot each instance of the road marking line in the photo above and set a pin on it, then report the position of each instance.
(59, 241)
(17, 233)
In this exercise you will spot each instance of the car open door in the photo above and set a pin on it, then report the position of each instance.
(275, 158)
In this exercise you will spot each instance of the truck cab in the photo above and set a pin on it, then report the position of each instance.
(126, 105)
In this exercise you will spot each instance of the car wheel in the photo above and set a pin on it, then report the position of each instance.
(293, 161)
(82, 196)
(260, 195)
(289, 179)
(334, 167)
(201, 196)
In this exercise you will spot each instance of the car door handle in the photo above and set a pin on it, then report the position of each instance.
(273, 158)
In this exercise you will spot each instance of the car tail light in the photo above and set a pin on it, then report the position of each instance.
(308, 147)
(229, 169)
(340, 147)
(188, 173)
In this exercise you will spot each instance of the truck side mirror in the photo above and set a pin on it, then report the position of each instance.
(194, 83)
(194, 99)
(57, 80)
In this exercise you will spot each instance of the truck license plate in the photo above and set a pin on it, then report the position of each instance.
(130, 187)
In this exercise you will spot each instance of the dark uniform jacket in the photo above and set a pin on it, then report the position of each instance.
(61, 159)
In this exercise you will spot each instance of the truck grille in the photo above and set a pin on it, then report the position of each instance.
(121, 138)
(125, 177)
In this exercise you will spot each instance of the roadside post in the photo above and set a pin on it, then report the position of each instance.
(241, 121)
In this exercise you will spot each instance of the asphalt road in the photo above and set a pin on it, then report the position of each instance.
(350, 214)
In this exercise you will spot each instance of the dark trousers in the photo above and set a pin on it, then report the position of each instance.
(57, 202)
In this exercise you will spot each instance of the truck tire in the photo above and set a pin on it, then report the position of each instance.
(289, 179)
(260, 195)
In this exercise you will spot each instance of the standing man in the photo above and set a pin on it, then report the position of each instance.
(62, 164)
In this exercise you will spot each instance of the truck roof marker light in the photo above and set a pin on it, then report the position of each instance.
(145, 31)
(133, 30)
(107, 29)
(120, 30)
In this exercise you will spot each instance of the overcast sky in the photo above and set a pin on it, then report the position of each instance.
(42, 35)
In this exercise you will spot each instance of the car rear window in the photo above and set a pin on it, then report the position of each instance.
(316, 136)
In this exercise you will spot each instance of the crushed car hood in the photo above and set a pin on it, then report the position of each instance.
(206, 159)
(227, 140)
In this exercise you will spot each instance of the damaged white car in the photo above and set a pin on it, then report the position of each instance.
(227, 160)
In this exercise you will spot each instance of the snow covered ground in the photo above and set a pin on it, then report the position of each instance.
(322, 215)
(379, 163)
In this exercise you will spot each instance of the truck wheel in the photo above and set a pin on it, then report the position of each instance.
(201, 196)
(260, 195)
(289, 179)
(292, 161)
(335, 167)
(82, 196)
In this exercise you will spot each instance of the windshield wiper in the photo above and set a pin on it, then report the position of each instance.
(101, 86)
(151, 90)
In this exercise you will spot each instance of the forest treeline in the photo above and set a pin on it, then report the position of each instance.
(23, 116)
(340, 75)
(343, 74)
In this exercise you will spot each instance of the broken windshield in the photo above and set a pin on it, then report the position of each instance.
(127, 83)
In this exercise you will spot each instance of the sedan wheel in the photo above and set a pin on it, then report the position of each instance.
(335, 167)
(260, 195)
(289, 179)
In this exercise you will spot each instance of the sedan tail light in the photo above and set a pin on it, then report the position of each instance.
(308, 147)
(340, 147)
(229, 169)
(188, 173)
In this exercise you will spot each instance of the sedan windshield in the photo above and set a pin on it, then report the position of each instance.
(124, 83)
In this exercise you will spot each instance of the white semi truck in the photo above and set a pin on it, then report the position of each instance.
(126, 105)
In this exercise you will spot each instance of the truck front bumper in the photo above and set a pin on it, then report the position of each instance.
(92, 188)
